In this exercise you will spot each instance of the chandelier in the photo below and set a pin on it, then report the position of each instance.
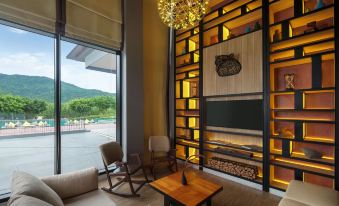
(182, 14)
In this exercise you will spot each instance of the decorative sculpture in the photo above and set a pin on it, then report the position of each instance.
(320, 4)
(183, 176)
(311, 153)
(227, 65)
(289, 81)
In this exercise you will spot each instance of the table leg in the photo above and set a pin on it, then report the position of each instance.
(167, 201)
(209, 202)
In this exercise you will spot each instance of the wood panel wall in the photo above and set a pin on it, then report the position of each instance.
(248, 50)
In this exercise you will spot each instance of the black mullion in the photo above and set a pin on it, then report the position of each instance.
(201, 97)
(60, 30)
(118, 118)
(298, 175)
(298, 8)
(298, 131)
(60, 17)
(57, 105)
(173, 66)
(336, 100)
(266, 96)
(316, 72)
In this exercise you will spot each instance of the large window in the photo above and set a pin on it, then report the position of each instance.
(88, 110)
(26, 104)
(88, 104)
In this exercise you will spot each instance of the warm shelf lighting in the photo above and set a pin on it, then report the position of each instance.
(320, 139)
(303, 164)
(226, 33)
(303, 155)
(281, 181)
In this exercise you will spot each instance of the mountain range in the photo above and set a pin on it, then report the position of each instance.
(36, 87)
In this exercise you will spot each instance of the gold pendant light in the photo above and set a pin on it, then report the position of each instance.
(182, 14)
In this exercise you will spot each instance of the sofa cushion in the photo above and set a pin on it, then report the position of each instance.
(74, 183)
(289, 202)
(310, 194)
(23, 200)
(26, 184)
(96, 197)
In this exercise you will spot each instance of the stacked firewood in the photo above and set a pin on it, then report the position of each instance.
(235, 168)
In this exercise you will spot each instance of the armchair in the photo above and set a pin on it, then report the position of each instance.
(161, 152)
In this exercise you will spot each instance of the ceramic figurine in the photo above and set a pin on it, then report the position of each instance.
(183, 51)
(289, 81)
(285, 133)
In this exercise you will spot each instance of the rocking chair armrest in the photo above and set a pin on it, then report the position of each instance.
(120, 164)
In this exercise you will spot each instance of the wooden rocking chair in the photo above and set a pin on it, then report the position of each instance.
(112, 155)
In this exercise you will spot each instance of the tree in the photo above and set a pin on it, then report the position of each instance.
(11, 104)
(34, 107)
(104, 102)
(81, 106)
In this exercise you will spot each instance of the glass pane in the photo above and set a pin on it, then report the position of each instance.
(88, 105)
(26, 104)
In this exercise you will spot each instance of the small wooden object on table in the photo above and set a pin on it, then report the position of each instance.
(198, 191)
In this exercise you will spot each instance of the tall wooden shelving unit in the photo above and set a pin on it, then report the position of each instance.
(231, 21)
(187, 93)
(307, 112)
(303, 117)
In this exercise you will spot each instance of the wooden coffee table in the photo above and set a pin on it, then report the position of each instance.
(198, 191)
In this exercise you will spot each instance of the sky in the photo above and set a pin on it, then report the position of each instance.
(31, 54)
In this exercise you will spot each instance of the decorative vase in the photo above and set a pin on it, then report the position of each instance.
(183, 178)
(320, 4)
(214, 39)
(257, 26)
(247, 29)
(276, 36)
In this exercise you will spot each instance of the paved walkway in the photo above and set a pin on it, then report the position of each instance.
(36, 154)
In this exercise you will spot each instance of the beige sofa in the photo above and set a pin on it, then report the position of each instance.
(305, 194)
(71, 189)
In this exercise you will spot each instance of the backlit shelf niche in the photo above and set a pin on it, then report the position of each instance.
(302, 45)
(187, 93)
(232, 20)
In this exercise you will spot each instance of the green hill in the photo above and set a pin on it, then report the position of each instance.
(36, 87)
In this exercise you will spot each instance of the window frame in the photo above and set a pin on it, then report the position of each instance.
(58, 37)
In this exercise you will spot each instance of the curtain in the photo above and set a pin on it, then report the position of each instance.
(38, 14)
(98, 22)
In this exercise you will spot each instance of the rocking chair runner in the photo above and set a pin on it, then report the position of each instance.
(112, 155)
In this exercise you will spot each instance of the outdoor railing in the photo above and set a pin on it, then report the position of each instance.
(33, 127)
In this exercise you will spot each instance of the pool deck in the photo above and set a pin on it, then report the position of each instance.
(35, 154)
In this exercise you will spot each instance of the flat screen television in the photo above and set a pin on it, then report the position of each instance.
(239, 114)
